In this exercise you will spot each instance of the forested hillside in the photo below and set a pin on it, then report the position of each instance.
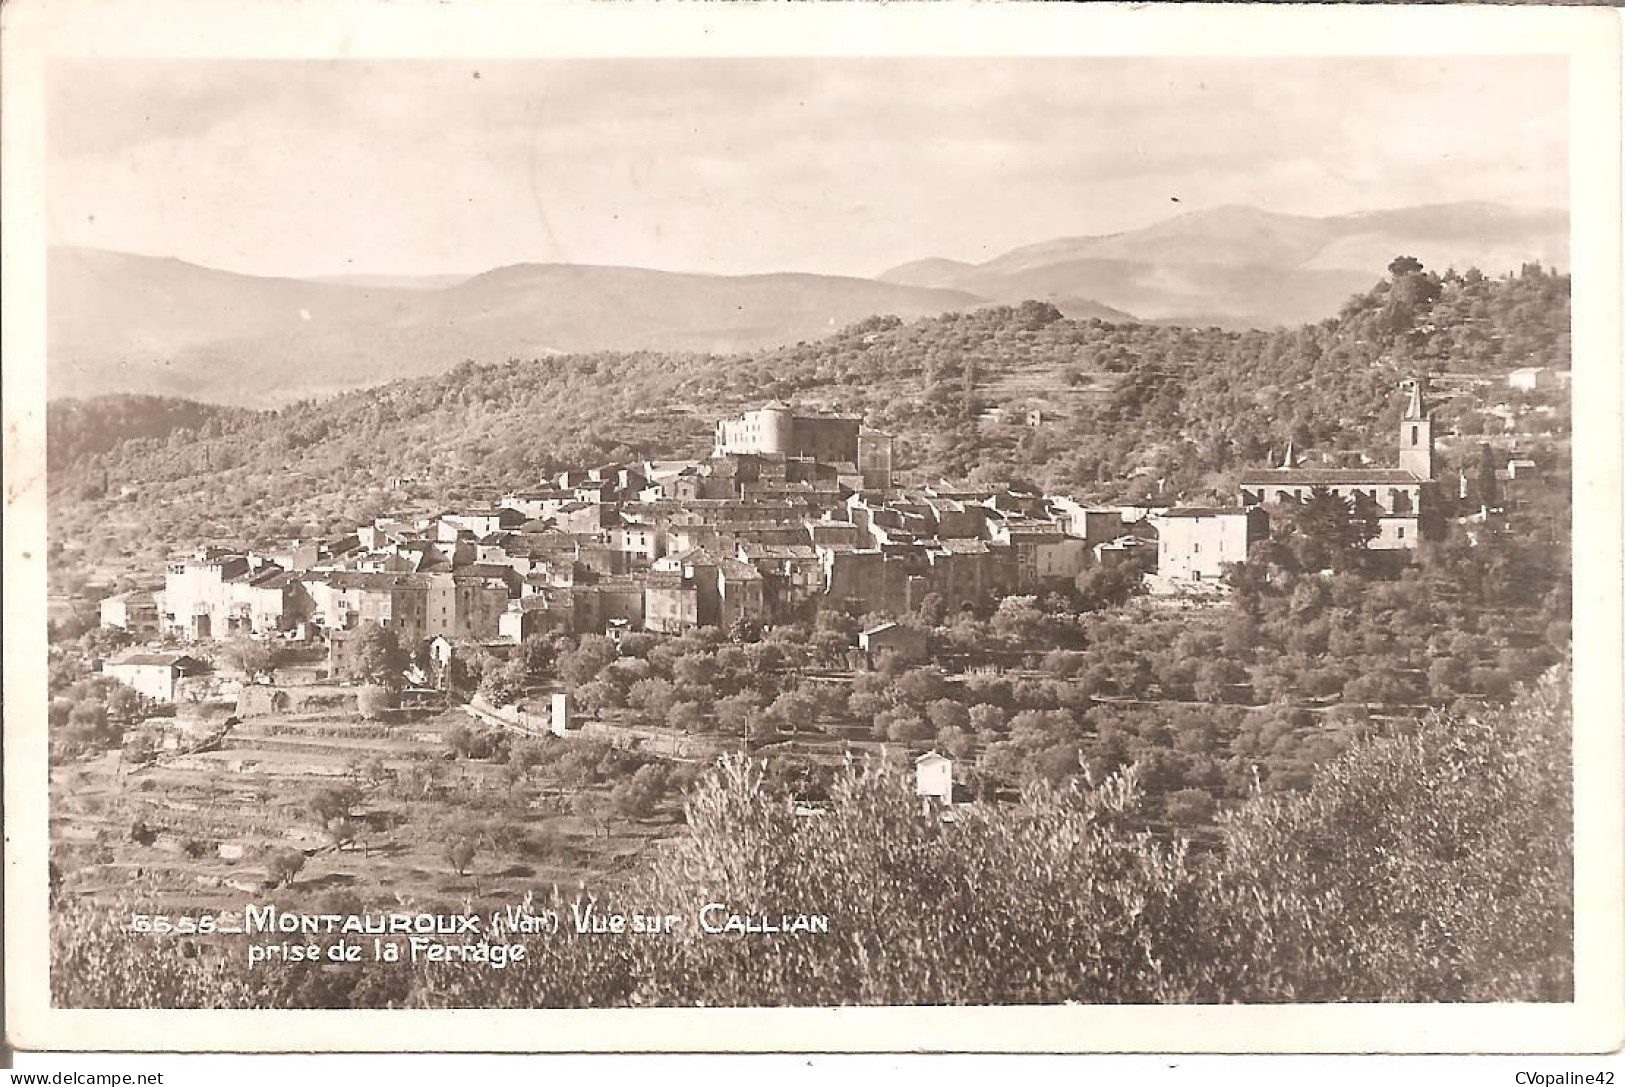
(1124, 405)
(76, 429)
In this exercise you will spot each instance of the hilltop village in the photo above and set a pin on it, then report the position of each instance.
(793, 509)
(795, 594)
(539, 687)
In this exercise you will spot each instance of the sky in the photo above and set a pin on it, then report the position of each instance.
(847, 167)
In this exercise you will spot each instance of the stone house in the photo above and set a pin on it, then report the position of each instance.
(1196, 543)
(154, 675)
(136, 611)
(907, 643)
(740, 587)
(671, 603)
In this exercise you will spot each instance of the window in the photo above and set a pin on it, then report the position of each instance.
(1400, 532)
(1415, 430)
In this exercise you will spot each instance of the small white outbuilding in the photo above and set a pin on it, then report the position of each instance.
(934, 777)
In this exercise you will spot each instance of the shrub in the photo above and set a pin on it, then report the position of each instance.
(460, 854)
(1189, 807)
(96, 963)
(1434, 866)
(901, 725)
(459, 738)
(504, 684)
(284, 864)
(343, 831)
(374, 701)
(334, 802)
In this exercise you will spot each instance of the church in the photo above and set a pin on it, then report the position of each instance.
(1403, 494)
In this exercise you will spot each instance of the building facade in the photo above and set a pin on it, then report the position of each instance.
(1402, 495)
(906, 643)
(1197, 543)
(154, 675)
(136, 612)
(779, 429)
(934, 778)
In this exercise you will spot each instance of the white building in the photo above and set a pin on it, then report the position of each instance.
(1531, 378)
(934, 777)
(1196, 543)
(155, 675)
(560, 714)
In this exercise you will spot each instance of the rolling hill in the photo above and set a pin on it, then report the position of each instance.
(119, 322)
(1240, 267)
(1124, 405)
(75, 429)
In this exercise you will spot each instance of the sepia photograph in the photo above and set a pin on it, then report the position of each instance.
(546, 530)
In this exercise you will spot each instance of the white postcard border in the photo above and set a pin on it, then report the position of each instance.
(505, 28)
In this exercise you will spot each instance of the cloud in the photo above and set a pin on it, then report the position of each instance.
(298, 167)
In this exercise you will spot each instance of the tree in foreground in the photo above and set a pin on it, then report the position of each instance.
(1434, 866)
(374, 701)
(282, 865)
(374, 655)
(334, 802)
(256, 658)
(1431, 867)
(460, 854)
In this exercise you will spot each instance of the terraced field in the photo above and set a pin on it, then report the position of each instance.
(192, 833)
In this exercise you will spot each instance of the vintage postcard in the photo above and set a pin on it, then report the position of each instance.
(812, 529)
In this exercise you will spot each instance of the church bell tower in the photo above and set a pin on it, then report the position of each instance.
(1416, 434)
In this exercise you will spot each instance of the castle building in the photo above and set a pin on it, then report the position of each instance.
(777, 429)
(1402, 494)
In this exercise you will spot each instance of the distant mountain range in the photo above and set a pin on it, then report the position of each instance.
(1239, 267)
(124, 323)
(119, 322)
